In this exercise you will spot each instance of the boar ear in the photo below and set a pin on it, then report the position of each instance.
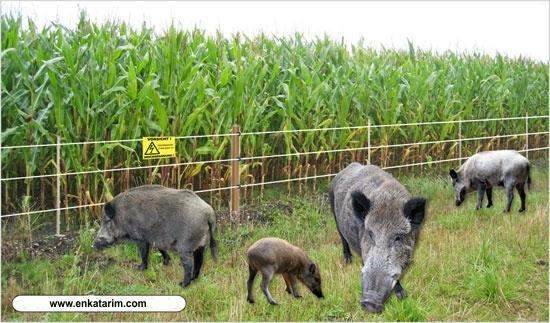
(414, 210)
(360, 204)
(312, 268)
(109, 210)
(453, 174)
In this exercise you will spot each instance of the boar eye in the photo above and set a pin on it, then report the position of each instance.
(398, 238)
(371, 234)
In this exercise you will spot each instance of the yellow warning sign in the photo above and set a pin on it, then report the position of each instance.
(158, 147)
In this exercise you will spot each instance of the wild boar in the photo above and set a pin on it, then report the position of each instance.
(377, 218)
(273, 256)
(486, 169)
(164, 218)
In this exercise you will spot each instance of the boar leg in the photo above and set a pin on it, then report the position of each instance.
(521, 191)
(489, 196)
(165, 257)
(251, 275)
(399, 291)
(294, 285)
(198, 258)
(291, 285)
(267, 276)
(345, 245)
(144, 252)
(510, 195)
(187, 264)
(346, 250)
(287, 283)
(480, 192)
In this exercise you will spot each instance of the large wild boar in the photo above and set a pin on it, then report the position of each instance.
(273, 256)
(486, 169)
(164, 218)
(377, 218)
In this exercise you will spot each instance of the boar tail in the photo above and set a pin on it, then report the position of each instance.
(213, 243)
(528, 177)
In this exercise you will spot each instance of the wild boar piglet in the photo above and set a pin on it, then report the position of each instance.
(272, 256)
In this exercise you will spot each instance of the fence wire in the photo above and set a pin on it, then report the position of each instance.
(277, 131)
(527, 134)
(112, 141)
(120, 169)
(268, 183)
(269, 156)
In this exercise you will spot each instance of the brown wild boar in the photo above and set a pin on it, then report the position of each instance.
(273, 256)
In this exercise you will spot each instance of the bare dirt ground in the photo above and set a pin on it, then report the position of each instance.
(42, 246)
(45, 245)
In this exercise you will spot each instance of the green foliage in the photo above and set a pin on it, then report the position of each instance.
(407, 310)
(112, 82)
(87, 236)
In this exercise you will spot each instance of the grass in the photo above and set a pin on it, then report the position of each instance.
(469, 266)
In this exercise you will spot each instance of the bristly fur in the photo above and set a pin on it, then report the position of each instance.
(377, 218)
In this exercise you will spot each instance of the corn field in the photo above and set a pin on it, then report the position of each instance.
(112, 82)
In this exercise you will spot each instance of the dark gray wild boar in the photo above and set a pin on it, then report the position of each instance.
(486, 169)
(164, 218)
(377, 218)
(273, 256)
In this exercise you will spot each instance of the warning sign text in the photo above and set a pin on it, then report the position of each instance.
(158, 147)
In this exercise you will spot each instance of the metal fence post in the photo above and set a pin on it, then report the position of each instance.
(459, 141)
(527, 135)
(58, 189)
(235, 170)
(368, 141)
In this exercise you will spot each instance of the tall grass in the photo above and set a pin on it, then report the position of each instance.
(110, 82)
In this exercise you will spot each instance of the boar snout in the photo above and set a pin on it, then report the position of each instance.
(377, 287)
(102, 240)
(106, 236)
(373, 302)
(100, 243)
(372, 307)
(318, 293)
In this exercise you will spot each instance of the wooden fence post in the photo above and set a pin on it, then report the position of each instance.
(235, 170)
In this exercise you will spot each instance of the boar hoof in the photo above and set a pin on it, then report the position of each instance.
(521, 210)
(297, 296)
(288, 290)
(401, 293)
(141, 267)
(347, 259)
(250, 300)
(489, 205)
(166, 262)
(273, 303)
(184, 284)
